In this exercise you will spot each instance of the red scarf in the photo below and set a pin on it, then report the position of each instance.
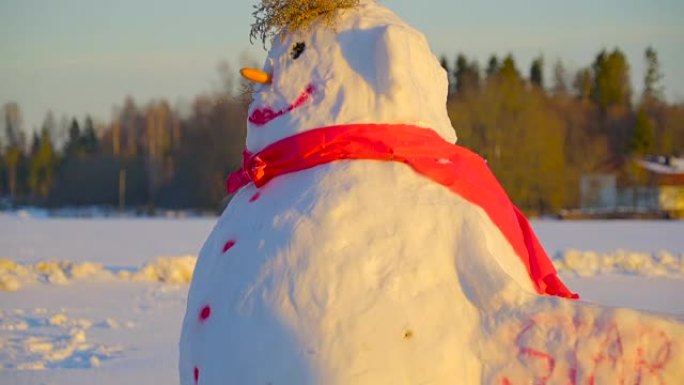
(462, 171)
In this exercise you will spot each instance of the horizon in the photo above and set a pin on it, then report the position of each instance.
(78, 58)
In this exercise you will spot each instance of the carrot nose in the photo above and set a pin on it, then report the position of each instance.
(255, 75)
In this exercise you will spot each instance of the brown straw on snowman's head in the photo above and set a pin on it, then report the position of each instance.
(274, 17)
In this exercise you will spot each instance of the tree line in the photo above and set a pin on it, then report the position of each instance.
(539, 136)
(148, 157)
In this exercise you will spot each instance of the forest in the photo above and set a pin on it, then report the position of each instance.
(539, 137)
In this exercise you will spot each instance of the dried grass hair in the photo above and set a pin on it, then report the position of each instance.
(277, 16)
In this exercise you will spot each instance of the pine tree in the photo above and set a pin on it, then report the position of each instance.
(492, 66)
(130, 127)
(14, 147)
(74, 146)
(460, 73)
(537, 72)
(653, 90)
(88, 140)
(474, 75)
(508, 69)
(466, 75)
(583, 83)
(641, 142)
(611, 85)
(560, 85)
(35, 143)
(444, 62)
(43, 165)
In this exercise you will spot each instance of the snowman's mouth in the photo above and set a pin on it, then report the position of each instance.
(261, 116)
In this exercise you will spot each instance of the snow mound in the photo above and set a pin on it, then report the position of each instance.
(565, 342)
(13, 275)
(168, 269)
(591, 263)
(172, 270)
(38, 340)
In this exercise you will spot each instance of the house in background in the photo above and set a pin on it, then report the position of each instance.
(661, 196)
(598, 192)
(666, 178)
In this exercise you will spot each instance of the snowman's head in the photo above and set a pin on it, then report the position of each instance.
(369, 67)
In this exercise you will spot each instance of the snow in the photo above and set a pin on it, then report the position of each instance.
(133, 326)
(115, 241)
(115, 315)
(660, 295)
(590, 263)
(637, 236)
(91, 332)
(663, 165)
(162, 269)
(352, 272)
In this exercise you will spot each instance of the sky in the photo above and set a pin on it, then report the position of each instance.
(78, 57)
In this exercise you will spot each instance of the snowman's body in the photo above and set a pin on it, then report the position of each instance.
(317, 290)
(360, 271)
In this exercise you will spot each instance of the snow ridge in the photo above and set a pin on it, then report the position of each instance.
(591, 263)
(168, 269)
(179, 269)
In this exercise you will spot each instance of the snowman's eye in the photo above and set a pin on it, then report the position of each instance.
(297, 49)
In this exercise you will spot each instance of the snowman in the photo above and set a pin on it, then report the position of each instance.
(363, 247)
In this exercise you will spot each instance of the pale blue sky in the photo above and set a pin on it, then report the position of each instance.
(84, 56)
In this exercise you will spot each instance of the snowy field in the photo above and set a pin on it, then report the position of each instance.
(101, 301)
